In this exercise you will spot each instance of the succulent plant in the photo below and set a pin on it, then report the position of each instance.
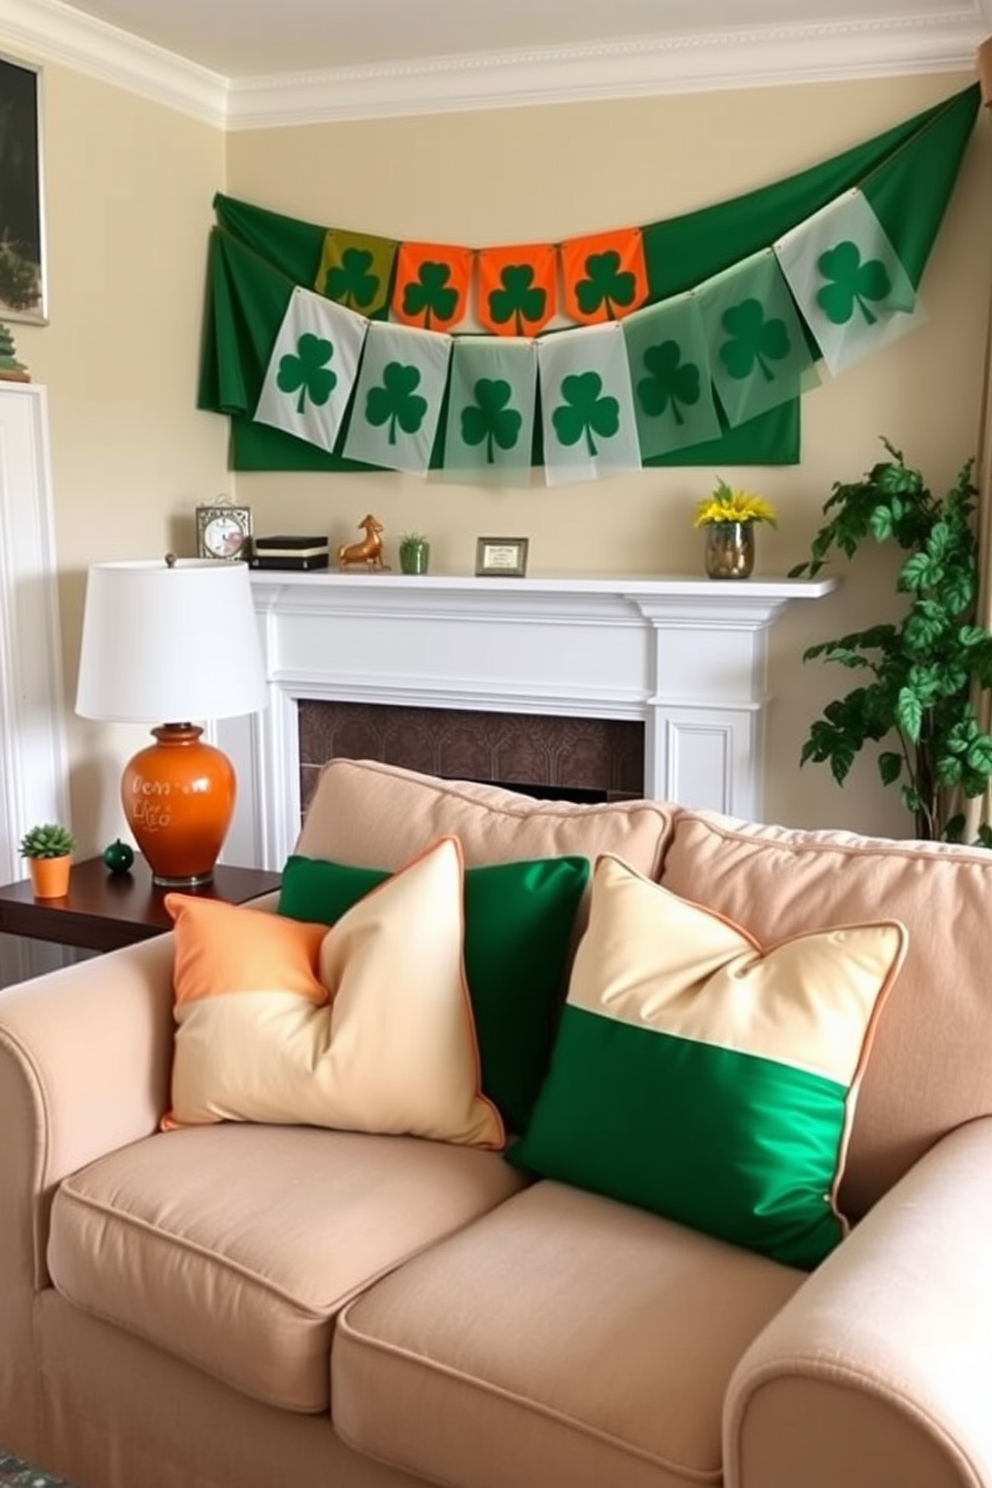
(48, 841)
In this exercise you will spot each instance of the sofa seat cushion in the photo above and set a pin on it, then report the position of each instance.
(923, 1077)
(565, 1338)
(234, 1247)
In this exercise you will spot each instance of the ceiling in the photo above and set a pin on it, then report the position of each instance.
(409, 55)
(244, 38)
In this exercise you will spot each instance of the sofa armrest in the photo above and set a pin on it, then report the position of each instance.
(85, 1066)
(877, 1370)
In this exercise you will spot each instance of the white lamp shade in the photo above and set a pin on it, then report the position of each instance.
(169, 643)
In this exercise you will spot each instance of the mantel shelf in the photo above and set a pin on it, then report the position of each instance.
(679, 585)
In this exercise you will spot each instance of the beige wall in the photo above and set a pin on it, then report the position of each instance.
(129, 188)
(128, 191)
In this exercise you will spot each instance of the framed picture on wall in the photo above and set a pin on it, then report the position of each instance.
(22, 235)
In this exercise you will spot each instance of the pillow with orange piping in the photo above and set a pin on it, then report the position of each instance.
(366, 1026)
(708, 1078)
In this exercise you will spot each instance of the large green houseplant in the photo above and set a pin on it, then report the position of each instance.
(922, 674)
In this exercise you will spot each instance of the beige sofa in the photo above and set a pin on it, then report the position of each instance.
(246, 1305)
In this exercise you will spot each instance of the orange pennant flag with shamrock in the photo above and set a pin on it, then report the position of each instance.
(430, 289)
(517, 289)
(605, 276)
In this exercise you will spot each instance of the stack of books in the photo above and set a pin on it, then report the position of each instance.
(298, 553)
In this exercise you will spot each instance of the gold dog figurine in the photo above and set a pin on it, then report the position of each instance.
(368, 551)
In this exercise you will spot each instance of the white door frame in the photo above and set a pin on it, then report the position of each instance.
(33, 776)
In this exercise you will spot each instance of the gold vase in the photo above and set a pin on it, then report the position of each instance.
(729, 550)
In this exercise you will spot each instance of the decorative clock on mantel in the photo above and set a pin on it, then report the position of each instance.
(223, 530)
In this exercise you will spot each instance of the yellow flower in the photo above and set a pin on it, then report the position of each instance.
(728, 505)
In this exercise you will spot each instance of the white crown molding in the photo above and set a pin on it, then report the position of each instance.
(53, 32)
(646, 66)
(637, 67)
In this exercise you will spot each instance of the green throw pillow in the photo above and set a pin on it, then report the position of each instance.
(519, 920)
(705, 1078)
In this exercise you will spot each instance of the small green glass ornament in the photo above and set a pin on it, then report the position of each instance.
(118, 856)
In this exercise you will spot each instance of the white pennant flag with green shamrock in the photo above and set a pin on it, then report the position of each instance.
(848, 281)
(398, 398)
(670, 372)
(587, 406)
(490, 423)
(312, 369)
(758, 352)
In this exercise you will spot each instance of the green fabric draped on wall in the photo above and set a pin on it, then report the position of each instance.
(257, 257)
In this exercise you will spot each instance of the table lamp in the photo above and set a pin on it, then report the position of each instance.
(173, 639)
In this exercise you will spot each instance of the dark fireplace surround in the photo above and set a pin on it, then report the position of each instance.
(576, 758)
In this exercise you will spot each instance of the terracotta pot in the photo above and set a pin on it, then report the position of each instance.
(50, 876)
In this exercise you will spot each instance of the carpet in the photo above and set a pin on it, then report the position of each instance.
(17, 1474)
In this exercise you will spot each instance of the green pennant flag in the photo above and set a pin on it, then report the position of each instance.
(758, 351)
(490, 420)
(848, 281)
(586, 404)
(398, 398)
(670, 374)
(356, 270)
(312, 369)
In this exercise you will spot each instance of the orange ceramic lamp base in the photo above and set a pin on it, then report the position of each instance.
(178, 797)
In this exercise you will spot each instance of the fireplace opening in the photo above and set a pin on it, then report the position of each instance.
(579, 793)
(543, 755)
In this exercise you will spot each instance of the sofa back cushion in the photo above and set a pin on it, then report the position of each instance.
(931, 1062)
(380, 816)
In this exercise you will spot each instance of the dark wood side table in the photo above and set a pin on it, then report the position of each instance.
(104, 911)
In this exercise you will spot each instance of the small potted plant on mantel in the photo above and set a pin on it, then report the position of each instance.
(415, 553)
(48, 849)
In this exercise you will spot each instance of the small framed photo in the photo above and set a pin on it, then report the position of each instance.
(23, 291)
(501, 557)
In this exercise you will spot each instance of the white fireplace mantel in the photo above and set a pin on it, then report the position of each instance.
(685, 656)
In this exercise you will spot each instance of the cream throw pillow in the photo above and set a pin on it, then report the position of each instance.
(364, 1027)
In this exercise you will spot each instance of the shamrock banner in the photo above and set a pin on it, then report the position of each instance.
(848, 281)
(398, 398)
(758, 351)
(312, 369)
(586, 405)
(670, 371)
(517, 289)
(722, 258)
(431, 288)
(355, 269)
(490, 427)
(604, 276)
